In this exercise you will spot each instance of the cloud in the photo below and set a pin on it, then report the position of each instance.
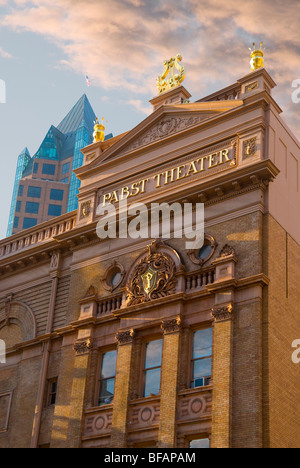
(122, 43)
(5, 54)
(139, 105)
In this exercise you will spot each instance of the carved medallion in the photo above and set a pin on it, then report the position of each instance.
(85, 209)
(154, 278)
(250, 148)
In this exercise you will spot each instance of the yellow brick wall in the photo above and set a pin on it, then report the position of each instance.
(281, 327)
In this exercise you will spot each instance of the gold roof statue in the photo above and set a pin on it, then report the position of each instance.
(257, 57)
(99, 134)
(169, 79)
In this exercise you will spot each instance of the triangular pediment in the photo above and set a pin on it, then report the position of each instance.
(167, 121)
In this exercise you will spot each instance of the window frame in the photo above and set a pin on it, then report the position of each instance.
(205, 326)
(98, 375)
(143, 366)
(50, 393)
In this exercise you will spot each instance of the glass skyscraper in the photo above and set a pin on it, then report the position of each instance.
(45, 185)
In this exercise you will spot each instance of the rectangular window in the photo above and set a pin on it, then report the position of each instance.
(34, 192)
(35, 168)
(16, 222)
(29, 223)
(54, 210)
(152, 368)
(49, 169)
(18, 206)
(65, 168)
(57, 195)
(202, 358)
(32, 207)
(21, 190)
(52, 391)
(107, 378)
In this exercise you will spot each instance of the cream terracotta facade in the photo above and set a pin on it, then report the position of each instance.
(58, 314)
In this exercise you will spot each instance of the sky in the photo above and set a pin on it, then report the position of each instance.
(47, 47)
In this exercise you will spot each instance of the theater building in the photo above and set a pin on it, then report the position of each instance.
(129, 343)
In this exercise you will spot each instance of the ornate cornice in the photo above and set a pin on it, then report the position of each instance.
(125, 337)
(222, 314)
(171, 326)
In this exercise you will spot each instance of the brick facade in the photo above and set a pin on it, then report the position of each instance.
(60, 310)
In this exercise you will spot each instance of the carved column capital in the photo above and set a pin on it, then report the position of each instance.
(82, 347)
(125, 337)
(222, 314)
(171, 326)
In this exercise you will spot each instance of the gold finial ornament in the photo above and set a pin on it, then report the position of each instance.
(257, 57)
(99, 134)
(169, 79)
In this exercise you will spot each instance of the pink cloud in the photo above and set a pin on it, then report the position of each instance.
(123, 42)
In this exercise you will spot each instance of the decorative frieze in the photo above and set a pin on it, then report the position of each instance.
(222, 314)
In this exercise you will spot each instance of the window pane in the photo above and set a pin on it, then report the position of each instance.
(56, 195)
(153, 354)
(202, 343)
(200, 443)
(49, 169)
(109, 365)
(18, 206)
(21, 189)
(202, 368)
(29, 223)
(16, 222)
(107, 392)
(66, 168)
(205, 252)
(32, 207)
(34, 192)
(54, 210)
(152, 382)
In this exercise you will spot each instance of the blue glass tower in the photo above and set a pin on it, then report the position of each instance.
(45, 185)
(23, 161)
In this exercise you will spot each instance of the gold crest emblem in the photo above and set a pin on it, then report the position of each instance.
(149, 279)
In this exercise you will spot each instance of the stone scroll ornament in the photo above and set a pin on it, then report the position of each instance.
(154, 278)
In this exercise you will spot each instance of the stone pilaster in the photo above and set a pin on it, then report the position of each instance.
(169, 382)
(222, 376)
(122, 388)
